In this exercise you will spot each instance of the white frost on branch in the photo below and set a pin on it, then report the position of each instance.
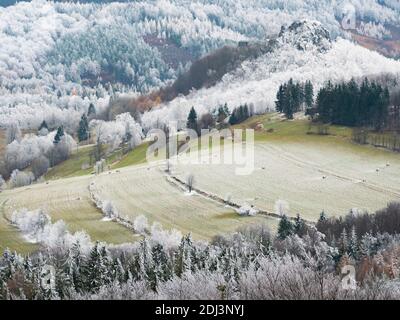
(36, 226)
(281, 207)
(123, 129)
(141, 224)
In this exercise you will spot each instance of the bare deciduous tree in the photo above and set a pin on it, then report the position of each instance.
(190, 182)
(40, 166)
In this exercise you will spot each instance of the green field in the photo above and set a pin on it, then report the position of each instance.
(293, 162)
(10, 237)
(66, 199)
(312, 172)
(117, 159)
(73, 166)
(147, 191)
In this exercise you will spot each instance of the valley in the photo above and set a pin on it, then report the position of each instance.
(199, 150)
(307, 171)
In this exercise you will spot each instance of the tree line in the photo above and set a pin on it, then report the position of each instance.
(220, 116)
(353, 105)
(300, 256)
(346, 103)
(293, 97)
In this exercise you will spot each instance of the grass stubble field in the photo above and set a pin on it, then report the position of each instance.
(311, 172)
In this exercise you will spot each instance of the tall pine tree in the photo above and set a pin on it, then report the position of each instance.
(83, 130)
(192, 120)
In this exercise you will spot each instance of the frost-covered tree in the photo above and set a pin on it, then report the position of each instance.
(43, 125)
(183, 259)
(281, 207)
(91, 111)
(141, 224)
(93, 270)
(343, 243)
(20, 178)
(114, 133)
(190, 182)
(353, 246)
(368, 245)
(2, 183)
(13, 133)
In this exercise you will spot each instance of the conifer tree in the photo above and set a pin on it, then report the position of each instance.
(75, 266)
(299, 225)
(343, 243)
(162, 268)
(368, 245)
(222, 113)
(43, 125)
(322, 216)
(183, 261)
(192, 120)
(353, 248)
(92, 270)
(83, 130)
(285, 227)
(280, 99)
(146, 263)
(91, 110)
(59, 135)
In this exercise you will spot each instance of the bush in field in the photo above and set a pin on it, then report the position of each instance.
(247, 210)
(141, 224)
(20, 178)
(109, 210)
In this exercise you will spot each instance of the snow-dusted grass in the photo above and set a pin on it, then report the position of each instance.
(75, 165)
(68, 200)
(146, 191)
(136, 156)
(11, 238)
(311, 172)
(134, 191)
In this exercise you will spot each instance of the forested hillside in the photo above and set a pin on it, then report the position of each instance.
(58, 57)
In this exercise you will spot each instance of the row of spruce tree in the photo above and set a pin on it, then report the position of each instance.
(218, 116)
(292, 97)
(345, 103)
(350, 104)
